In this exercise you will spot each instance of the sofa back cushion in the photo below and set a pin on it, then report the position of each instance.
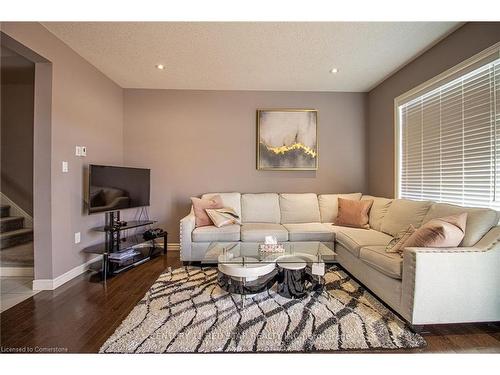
(378, 211)
(479, 220)
(329, 205)
(231, 200)
(402, 213)
(260, 208)
(299, 208)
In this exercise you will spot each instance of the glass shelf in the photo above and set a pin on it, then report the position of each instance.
(130, 224)
(125, 243)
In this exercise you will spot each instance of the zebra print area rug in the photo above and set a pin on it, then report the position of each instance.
(186, 311)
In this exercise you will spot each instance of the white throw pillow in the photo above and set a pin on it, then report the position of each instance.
(223, 216)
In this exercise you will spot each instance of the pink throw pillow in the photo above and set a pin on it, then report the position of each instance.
(199, 207)
(353, 213)
(442, 232)
(397, 243)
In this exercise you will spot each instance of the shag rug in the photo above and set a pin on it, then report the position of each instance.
(186, 311)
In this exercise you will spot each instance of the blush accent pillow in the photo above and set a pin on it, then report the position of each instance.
(223, 216)
(397, 243)
(199, 207)
(441, 232)
(353, 213)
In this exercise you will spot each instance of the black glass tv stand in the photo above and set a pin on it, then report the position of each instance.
(115, 243)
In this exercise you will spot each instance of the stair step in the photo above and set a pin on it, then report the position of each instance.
(10, 223)
(15, 237)
(4, 210)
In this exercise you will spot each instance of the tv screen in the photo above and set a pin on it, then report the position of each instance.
(117, 188)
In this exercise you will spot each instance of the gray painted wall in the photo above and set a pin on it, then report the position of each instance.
(463, 43)
(87, 109)
(205, 141)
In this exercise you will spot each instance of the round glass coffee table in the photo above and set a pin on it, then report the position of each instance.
(245, 270)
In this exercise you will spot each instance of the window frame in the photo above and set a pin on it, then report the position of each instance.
(456, 71)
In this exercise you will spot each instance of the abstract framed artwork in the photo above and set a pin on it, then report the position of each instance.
(287, 139)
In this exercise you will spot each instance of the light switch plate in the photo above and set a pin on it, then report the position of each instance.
(65, 167)
(80, 151)
(77, 237)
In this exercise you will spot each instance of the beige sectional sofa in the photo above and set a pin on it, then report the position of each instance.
(425, 286)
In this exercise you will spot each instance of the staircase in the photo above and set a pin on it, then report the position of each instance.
(12, 230)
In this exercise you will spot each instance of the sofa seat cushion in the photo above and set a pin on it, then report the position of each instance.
(389, 264)
(255, 232)
(211, 233)
(310, 232)
(353, 239)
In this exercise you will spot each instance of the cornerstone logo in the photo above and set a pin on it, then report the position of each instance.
(33, 349)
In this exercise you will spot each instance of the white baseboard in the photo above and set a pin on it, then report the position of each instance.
(16, 271)
(51, 284)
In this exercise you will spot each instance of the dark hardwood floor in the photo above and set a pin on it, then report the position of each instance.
(80, 315)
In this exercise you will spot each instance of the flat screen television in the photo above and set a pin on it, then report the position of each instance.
(117, 188)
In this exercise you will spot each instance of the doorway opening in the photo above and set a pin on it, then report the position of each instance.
(16, 183)
(25, 155)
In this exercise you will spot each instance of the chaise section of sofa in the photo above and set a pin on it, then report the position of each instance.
(427, 286)
(424, 286)
(453, 285)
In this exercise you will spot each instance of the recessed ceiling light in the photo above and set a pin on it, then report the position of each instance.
(160, 66)
(334, 70)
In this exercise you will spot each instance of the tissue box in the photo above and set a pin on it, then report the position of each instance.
(271, 248)
(270, 240)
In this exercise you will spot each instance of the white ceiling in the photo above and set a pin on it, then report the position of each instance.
(294, 56)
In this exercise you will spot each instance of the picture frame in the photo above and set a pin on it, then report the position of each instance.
(287, 139)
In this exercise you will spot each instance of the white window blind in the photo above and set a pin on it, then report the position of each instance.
(449, 138)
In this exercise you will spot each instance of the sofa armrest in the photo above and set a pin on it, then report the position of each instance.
(451, 285)
(490, 240)
(187, 225)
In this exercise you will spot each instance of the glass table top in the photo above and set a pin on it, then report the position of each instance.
(251, 253)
